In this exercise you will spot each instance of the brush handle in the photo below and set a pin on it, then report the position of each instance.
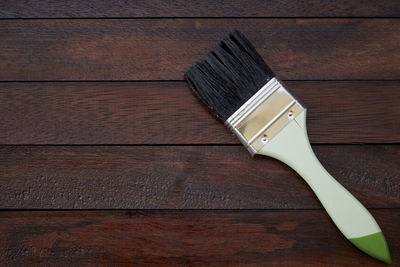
(292, 147)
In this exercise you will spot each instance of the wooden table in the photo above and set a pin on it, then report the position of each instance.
(107, 158)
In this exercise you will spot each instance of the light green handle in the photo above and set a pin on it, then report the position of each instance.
(292, 147)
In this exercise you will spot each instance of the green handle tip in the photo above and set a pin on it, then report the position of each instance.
(374, 245)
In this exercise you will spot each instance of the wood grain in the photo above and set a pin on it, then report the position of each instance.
(182, 238)
(168, 113)
(192, 8)
(185, 177)
(156, 49)
(94, 115)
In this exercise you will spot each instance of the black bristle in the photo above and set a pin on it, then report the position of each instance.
(229, 75)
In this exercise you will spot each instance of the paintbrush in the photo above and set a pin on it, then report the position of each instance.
(238, 87)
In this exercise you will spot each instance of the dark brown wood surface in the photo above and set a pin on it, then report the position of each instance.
(161, 49)
(186, 177)
(182, 238)
(168, 113)
(106, 158)
(195, 8)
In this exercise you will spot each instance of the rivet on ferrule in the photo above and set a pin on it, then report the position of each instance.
(267, 112)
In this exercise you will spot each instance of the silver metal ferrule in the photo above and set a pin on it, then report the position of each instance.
(265, 114)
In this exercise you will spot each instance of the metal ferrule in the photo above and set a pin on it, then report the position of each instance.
(267, 112)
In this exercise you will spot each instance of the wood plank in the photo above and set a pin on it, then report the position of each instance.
(185, 177)
(181, 238)
(168, 113)
(159, 49)
(192, 8)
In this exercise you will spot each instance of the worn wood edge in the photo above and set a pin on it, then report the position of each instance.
(184, 8)
(168, 113)
(183, 237)
(185, 177)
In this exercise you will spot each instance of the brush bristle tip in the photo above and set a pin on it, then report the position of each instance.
(229, 75)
